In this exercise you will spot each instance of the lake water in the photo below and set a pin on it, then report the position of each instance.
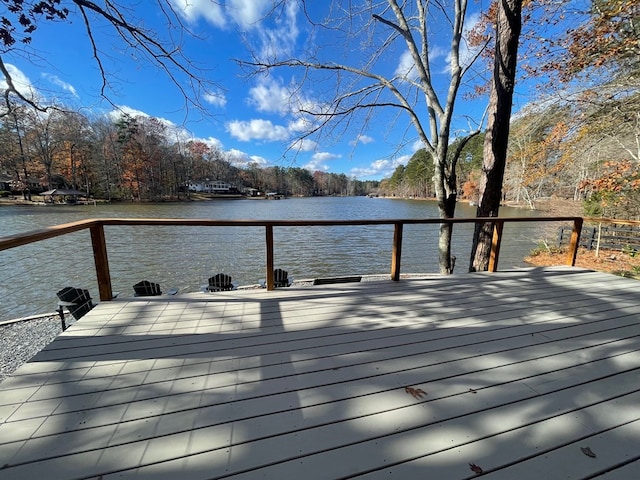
(184, 257)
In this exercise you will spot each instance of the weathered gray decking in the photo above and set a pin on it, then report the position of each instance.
(520, 370)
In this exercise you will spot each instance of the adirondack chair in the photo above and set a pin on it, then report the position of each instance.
(145, 288)
(281, 278)
(218, 283)
(77, 300)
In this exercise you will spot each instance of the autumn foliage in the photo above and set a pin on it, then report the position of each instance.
(470, 188)
(565, 40)
(616, 192)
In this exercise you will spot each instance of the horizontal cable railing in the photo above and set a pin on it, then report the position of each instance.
(111, 254)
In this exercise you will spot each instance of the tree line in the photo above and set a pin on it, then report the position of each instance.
(135, 159)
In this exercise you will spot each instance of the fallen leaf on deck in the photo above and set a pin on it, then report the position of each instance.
(587, 451)
(475, 468)
(415, 392)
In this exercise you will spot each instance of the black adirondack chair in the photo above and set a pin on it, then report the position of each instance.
(77, 300)
(220, 282)
(145, 288)
(281, 278)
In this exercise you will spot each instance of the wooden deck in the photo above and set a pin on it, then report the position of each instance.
(515, 372)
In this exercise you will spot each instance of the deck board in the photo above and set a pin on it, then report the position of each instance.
(519, 370)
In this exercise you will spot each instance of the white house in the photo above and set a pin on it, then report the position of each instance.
(210, 186)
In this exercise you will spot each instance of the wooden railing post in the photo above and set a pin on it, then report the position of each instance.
(396, 253)
(101, 261)
(496, 241)
(269, 239)
(574, 243)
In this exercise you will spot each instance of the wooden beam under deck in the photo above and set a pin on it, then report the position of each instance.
(515, 372)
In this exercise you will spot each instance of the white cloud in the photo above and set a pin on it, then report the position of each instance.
(316, 166)
(247, 13)
(300, 124)
(21, 83)
(192, 10)
(407, 68)
(280, 41)
(234, 155)
(363, 139)
(325, 156)
(319, 161)
(376, 168)
(270, 96)
(437, 52)
(61, 83)
(380, 168)
(261, 161)
(216, 99)
(126, 110)
(26, 87)
(417, 145)
(212, 142)
(362, 172)
(304, 145)
(401, 160)
(242, 159)
(257, 130)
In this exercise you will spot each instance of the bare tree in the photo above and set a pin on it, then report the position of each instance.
(369, 33)
(42, 144)
(13, 154)
(507, 35)
(19, 21)
(72, 133)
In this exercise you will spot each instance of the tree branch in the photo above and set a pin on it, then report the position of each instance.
(11, 88)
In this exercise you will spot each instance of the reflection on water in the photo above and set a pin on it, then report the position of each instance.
(184, 257)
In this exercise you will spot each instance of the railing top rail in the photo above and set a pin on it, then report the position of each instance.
(32, 236)
(57, 230)
(294, 223)
(612, 220)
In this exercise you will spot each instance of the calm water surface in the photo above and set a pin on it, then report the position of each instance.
(184, 257)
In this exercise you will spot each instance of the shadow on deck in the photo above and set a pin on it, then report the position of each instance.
(514, 373)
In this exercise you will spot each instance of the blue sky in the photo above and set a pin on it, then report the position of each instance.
(249, 118)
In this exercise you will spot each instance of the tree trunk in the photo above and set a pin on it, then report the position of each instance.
(446, 196)
(508, 26)
(446, 261)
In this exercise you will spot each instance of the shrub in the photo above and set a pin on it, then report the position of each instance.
(543, 247)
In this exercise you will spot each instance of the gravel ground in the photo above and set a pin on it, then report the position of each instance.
(22, 340)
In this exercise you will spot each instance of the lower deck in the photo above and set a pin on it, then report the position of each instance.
(522, 374)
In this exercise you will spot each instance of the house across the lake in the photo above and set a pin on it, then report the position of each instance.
(212, 186)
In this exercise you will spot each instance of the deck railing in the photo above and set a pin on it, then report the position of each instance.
(99, 244)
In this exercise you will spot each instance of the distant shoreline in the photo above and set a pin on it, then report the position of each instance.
(552, 207)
